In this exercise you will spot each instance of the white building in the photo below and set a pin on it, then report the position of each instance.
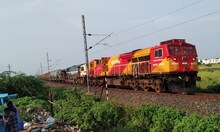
(210, 61)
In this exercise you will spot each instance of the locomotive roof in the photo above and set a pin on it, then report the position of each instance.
(173, 41)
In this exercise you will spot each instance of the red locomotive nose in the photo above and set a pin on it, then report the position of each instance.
(185, 68)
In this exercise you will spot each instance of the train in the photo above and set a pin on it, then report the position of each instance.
(171, 66)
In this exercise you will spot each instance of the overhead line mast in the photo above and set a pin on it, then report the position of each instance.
(86, 53)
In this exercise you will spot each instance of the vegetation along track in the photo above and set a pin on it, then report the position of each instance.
(200, 103)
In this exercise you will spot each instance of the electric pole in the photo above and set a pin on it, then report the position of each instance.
(41, 69)
(48, 65)
(86, 52)
(9, 70)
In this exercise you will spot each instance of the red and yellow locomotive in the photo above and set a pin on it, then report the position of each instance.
(170, 66)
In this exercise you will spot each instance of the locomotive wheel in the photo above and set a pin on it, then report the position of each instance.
(175, 87)
(132, 84)
(142, 85)
(136, 86)
(158, 86)
(146, 89)
(191, 87)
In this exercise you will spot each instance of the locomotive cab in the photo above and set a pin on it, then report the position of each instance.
(184, 55)
(174, 56)
(175, 61)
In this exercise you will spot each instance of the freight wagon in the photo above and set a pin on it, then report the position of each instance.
(57, 75)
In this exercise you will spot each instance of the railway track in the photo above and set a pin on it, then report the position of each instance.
(200, 103)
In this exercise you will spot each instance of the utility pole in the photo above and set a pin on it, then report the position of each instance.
(48, 65)
(9, 70)
(86, 52)
(41, 69)
(50, 92)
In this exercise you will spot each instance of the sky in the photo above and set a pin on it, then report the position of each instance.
(29, 29)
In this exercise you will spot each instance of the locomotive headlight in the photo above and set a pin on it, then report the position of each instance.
(174, 58)
(184, 63)
(194, 59)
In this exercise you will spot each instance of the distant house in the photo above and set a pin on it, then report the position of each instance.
(210, 61)
(11, 73)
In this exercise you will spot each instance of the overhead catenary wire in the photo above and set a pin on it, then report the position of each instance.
(152, 20)
(157, 31)
(160, 30)
(105, 44)
(109, 35)
(136, 26)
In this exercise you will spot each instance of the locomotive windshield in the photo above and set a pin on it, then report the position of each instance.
(175, 50)
(188, 50)
(179, 50)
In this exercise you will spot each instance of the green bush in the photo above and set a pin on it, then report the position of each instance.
(73, 107)
(90, 113)
(141, 117)
(86, 111)
(153, 118)
(164, 119)
(125, 129)
(105, 115)
(23, 85)
(209, 124)
(187, 124)
(28, 106)
(198, 124)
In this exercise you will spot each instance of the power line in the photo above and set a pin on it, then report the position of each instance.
(128, 29)
(109, 35)
(105, 44)
(160, 30)
(169, 13)
(133, 27)
(163, 29)
(168, 27)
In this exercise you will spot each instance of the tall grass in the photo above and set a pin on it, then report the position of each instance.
(210, 81)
